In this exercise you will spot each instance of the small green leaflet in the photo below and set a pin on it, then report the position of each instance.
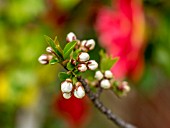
(68, 49)
(107, 62)
(58, 45)
(55, 47)
(53, 61)
(63, 76)
(70, 67)
(76, 53)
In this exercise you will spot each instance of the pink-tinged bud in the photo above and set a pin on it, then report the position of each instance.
(98, 75)
(49, 50)
(124, 87)
(67, 95)
(44, 58)
(66, 86)
(73, 62)
(82, 67)
(90, 44)
(108, 74)
(105, 83)
(92, 64)
(79, 92)
(70, 37)
(83, 57)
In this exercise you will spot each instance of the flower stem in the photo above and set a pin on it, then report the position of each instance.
(107, 112)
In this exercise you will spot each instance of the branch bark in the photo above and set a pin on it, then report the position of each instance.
(107, 112)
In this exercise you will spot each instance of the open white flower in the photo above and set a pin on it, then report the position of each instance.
(83, 57)
(67, 95)
(98, 75)
(108, 74)
(92, 64)
(105, 83)
(66, 86)
(70, 37)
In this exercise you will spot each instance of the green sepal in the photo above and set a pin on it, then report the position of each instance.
(56, 47)
(54, 61)
(74, 79)
(63, 76)
(107, 62)
(70, 66)
(68, 49)
(77, 72)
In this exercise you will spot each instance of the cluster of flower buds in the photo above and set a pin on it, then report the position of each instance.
(45, 58)
(67, 89)
(85, 63)
(84, 45)
(105, 78)
(83, 58)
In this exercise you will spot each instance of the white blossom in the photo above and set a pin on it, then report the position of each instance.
(67, 95)
(83, 57)
(66, 86)
(82, 67)
(79, 92)
(90, 44)
(70, 37)
(108, 74)
(49, 49)
(98, 75)
(92, 64)
(105, 83)
(44, 58)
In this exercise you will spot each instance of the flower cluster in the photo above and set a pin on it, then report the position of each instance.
(82, 61)
(67, 89)
(105, 78)
(76, 60)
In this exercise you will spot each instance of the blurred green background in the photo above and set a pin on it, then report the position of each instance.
(28, 89)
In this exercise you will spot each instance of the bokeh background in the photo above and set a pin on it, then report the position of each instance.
(137, 31)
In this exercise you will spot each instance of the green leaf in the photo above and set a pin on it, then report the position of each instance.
(76, 53)
(53, 61)
(55, 47)
(74, 80)
(68, 49)
(63, 76)
(58, 45)
(107, 62)
(70, 66)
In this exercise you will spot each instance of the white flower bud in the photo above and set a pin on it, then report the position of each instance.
(67, 95)
(83, 57)
(105, 83)
(108, 74)
(90, 44)
(44, 58)
(98, 75)
(49, 50)
(82, 67)
(92, 64)
(66, 86)
(125, 87)
(79, 92)
(70, 37)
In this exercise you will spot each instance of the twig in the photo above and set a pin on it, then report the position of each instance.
(121, 123)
